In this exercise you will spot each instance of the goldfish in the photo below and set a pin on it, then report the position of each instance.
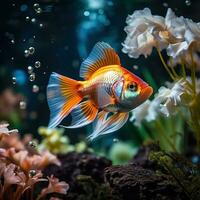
(105, 97)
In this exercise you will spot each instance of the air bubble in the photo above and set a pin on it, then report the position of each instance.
(31, 50)
(32, 77)
(32, 173)
(14, 80)
(188, 2)
(36, 5)
(37, 64)
(86, 13)
(32, 144)
(22, 105)
(115, 140)
(35, 89)
(27, 18)
(33, 20)
(39, 10)
(165, 4)
(135, 67)
(30, 69)
(26, 53)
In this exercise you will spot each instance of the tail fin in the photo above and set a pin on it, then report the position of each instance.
(62, 97)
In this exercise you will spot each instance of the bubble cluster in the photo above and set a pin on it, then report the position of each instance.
(22, 105)
(37, 8)
(29, 51)
(35, 88)
(37, 64)
(32, 77)
(14, 80)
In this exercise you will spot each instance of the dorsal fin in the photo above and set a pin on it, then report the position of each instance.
(101, 55)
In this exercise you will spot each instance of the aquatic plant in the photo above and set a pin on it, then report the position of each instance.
(179, 36)
(121, 152)
(21, 169)
(54, 140)
(185, 173)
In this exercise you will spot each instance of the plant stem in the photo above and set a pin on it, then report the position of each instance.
(196, 126)
(177, 180)
(193, 75)
(165, 65)
(162, 130)
(173, 70)
(183, 69)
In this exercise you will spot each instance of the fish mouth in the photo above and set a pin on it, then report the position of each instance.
(146, 92)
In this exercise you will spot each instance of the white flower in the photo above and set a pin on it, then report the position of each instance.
(148, 111)
(166, 101)
(178, 95)
(139, 113)
(187, 34)
(144, 31)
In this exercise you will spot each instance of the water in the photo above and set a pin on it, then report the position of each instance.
(42, 37)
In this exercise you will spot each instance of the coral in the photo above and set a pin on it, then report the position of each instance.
(20, 169)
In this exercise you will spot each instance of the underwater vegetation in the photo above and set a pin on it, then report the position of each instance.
(178, 99)
(21, 168)
(57, 143)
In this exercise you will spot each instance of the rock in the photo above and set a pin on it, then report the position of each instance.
(74, 164)
(142, 157)
(84, 172)
(135, 182)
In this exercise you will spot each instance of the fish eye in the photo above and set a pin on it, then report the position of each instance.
(132, 87)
